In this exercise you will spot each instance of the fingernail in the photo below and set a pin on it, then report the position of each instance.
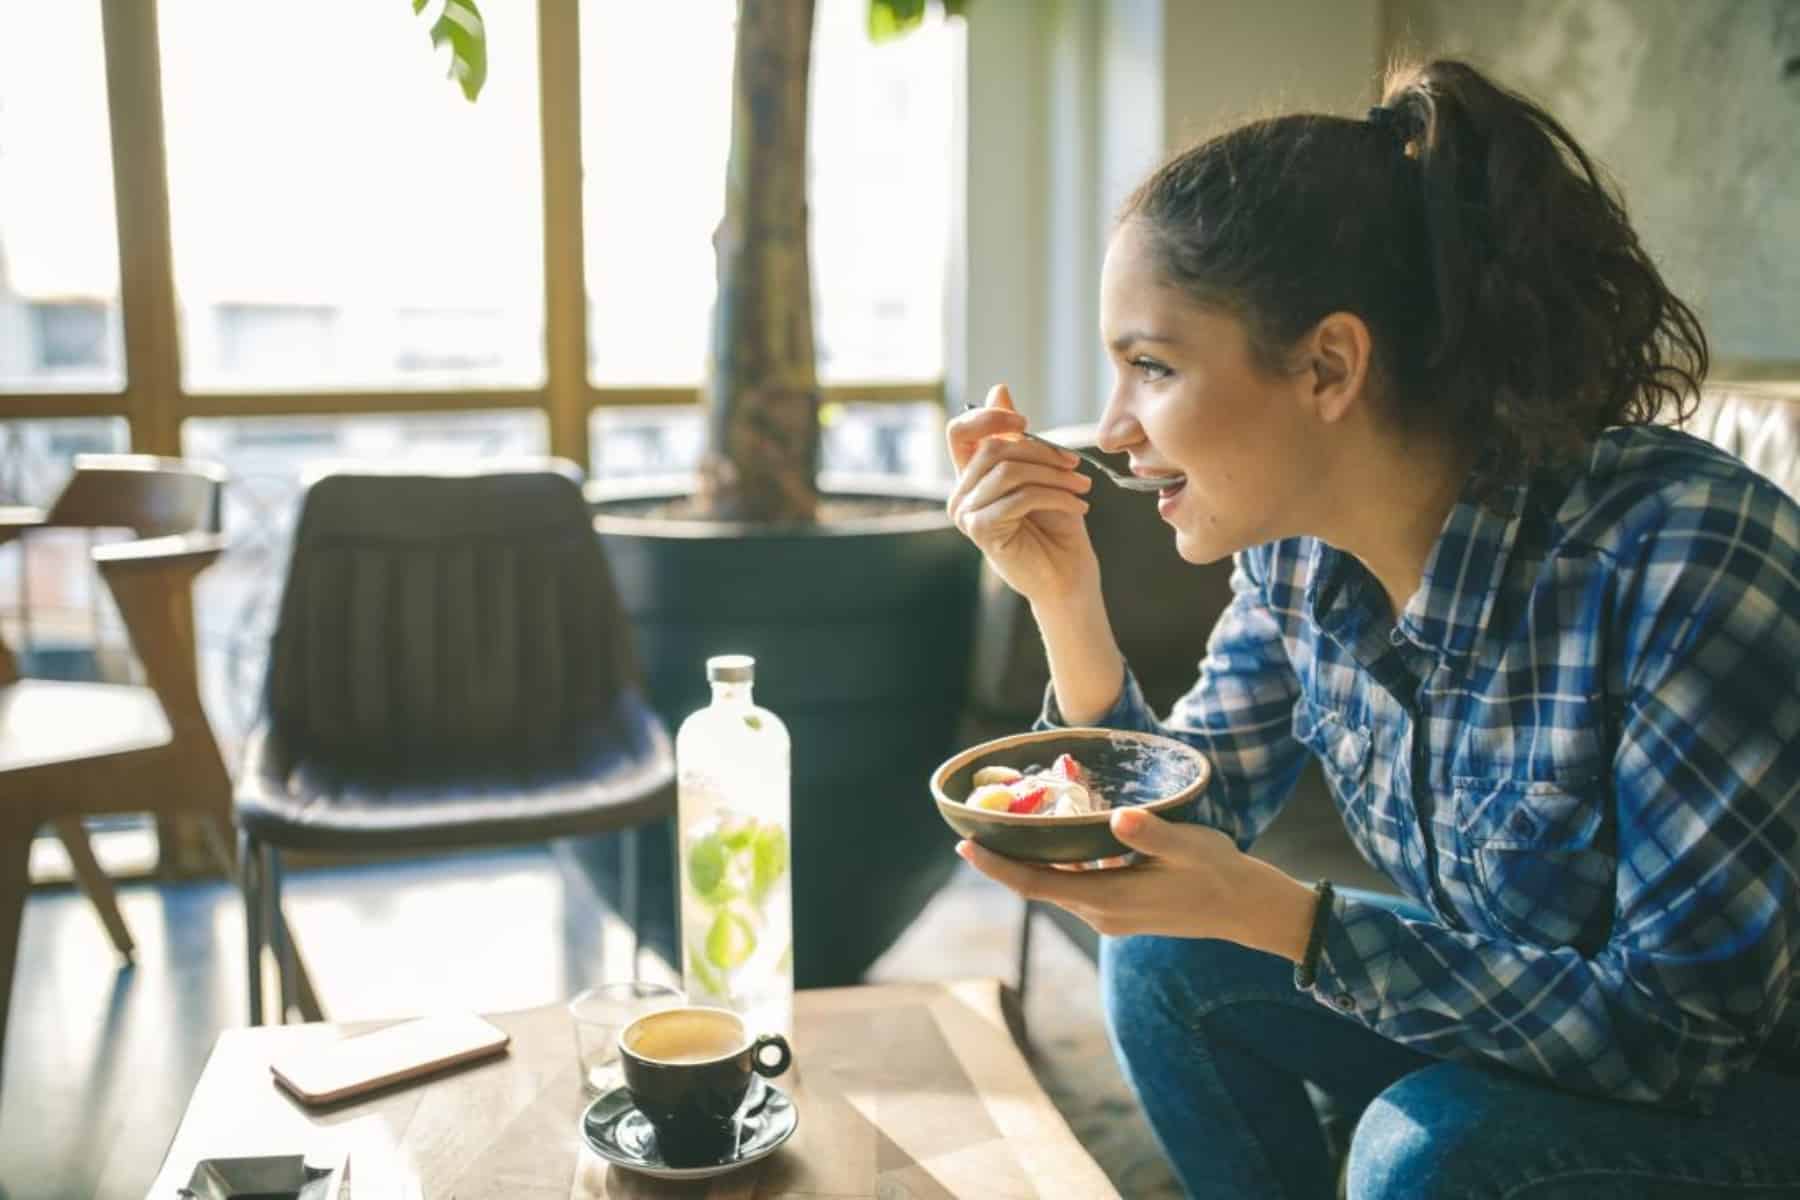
(962, 851)
(1127, 821)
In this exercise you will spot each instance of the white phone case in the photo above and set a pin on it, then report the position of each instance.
(364, 1062)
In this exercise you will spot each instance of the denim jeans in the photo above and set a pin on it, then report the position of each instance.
(1216, 1041)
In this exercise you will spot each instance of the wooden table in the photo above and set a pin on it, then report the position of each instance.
(909, 1091)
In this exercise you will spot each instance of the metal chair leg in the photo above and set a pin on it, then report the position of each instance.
(277, 930)
(305, 999)
(1023, 975)
(250, 876)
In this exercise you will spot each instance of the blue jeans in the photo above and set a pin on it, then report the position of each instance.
(1216, 1041)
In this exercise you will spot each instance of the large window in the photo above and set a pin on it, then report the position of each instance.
(656, 128)
(341, 216)
(59, 255)
(353, 262)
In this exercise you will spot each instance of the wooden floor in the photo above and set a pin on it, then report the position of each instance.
(100, 1060)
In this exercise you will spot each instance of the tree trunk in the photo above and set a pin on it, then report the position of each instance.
(762, 391)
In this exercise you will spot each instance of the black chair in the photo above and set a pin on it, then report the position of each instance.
(451, 667)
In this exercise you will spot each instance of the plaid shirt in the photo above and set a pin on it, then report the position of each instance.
(1579, 748)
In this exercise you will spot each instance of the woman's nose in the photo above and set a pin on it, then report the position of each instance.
(1118, 431)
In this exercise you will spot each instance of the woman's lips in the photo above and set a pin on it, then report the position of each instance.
(1168, 497)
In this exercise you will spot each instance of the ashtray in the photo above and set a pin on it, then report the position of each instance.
(265, 1177)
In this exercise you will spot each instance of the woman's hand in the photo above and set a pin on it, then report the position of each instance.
(1192, 881)
(1021, 502)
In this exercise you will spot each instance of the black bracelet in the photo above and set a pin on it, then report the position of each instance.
(1306, 970)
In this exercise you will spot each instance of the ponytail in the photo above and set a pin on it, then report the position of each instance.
(1509, 300)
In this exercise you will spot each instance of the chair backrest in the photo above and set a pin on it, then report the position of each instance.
(446, 618)
(153, 497)
(1758, 422)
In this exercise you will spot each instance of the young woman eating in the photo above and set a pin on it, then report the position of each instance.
(1404, 370)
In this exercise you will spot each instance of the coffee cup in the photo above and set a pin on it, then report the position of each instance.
(688, 1070)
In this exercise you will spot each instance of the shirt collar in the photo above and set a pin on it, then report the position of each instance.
(1464, 573)
(1455, 600)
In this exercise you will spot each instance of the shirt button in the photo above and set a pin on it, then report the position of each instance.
(1344, 1000)
(1395, 637)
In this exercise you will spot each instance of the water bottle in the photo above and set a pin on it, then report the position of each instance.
(737, 922)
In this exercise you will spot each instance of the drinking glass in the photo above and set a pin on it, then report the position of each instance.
(600, 1013)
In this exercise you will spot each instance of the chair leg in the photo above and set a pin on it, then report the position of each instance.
(277, 931)
(250, 875)
(305, 999)
(297, 993)
(15, 881)
(93, 881)
(216, 832)
(1024, 969)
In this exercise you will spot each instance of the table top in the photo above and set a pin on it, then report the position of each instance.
(914, 1090)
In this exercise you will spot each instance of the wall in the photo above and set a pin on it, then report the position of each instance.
(1694, 106)
(1069, 103)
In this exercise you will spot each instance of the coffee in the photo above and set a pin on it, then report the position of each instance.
(687, 1036)
(688, 1070)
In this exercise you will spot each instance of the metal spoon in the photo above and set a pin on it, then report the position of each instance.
(1131, 483)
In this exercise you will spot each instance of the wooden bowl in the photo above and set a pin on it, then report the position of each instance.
(1159, 774)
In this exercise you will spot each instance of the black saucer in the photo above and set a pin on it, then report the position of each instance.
(615, 1130)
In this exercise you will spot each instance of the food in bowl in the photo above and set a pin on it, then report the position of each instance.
(1161, 774)
(1059, 790)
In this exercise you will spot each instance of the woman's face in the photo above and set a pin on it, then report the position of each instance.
(1189, 398)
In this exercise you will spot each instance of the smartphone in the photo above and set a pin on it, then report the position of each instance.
(339, 1070)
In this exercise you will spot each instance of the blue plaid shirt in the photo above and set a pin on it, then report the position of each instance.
(1578, 747)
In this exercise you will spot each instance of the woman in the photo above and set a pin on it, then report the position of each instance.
(1403, 370)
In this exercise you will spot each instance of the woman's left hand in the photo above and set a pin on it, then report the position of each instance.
(1192, 881)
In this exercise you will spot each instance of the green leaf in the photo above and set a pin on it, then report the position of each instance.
(770, 861)
(460, 25)
(730, 942)
(706, 865)
(891, 18)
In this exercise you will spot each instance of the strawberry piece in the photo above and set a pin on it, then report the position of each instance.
(1068, 768)
(1028, 802)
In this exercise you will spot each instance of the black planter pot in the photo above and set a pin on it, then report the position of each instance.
(861, 628)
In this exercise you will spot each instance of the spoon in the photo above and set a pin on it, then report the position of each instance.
(1131, 483)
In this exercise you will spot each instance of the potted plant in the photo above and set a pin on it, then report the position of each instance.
(857, 599)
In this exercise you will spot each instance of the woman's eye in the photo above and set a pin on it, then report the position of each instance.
(1150, 369)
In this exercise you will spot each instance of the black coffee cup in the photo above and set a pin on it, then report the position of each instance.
(688, 1069)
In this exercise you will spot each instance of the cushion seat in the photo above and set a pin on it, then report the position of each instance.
(614, 779)
(48, 721)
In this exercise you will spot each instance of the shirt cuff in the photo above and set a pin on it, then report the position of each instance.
(1356, 938)
(1129, 711)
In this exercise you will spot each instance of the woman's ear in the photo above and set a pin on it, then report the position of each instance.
(1337, 364)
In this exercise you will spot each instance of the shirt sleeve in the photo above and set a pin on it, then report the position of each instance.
(1239, 713)
(1697, 970)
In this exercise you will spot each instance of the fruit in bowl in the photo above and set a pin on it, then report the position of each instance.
(1045, 796)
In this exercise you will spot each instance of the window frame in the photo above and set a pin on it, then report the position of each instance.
(153, 400)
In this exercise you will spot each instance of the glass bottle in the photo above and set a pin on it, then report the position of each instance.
(737, 925)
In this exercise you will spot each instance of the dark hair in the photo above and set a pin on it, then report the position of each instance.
(1506, 293)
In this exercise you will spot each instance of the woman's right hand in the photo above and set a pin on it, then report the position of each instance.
(1021, 502)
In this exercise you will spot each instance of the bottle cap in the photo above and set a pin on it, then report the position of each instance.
(730, 668)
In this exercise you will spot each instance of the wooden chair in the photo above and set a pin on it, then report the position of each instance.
(73, 750)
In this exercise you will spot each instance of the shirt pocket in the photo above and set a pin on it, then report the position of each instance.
(1341, 748)
(1543, 867)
